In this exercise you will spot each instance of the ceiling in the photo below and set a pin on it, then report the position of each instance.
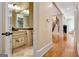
(67, 8)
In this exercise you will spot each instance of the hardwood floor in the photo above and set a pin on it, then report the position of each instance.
(65, 47)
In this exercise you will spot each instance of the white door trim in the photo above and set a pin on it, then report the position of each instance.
(7, 38)
(35, 26)
(0, 28)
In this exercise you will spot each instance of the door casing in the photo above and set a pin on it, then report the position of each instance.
(1, 28)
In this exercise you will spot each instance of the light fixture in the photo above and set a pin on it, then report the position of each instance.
(17, 8)
(10, 6)
(25, 12)
(14, 7)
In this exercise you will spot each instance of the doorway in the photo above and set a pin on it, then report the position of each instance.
(21, 16)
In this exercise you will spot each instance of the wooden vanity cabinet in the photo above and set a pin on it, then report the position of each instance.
(20, 38)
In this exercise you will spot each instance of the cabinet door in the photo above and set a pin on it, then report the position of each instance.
(21, 41)
(13, 43)
(29, 37)
(17, 42)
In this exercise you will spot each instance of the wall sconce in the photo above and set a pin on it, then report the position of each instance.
(48, 20)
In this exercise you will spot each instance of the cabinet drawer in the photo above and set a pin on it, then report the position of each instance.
(18, 42)
(14, 43)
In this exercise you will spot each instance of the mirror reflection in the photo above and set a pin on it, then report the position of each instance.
(22, 15)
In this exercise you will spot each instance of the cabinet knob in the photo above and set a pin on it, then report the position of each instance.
(17, 40)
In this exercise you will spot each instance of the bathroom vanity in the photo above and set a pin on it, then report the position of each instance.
(22, 37)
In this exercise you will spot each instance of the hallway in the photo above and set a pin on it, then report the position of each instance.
(65, 48)
(37, 29)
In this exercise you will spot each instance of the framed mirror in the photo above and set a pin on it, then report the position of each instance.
(19, 21)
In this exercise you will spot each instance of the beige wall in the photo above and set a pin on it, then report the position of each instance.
(44, 27)
(14, 18)
(31, 14)
(3, 28)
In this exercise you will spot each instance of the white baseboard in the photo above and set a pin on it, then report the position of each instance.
(42, 51)
(78, 49)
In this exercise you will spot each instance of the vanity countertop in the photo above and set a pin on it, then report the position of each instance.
(25, 28)
(21, 29)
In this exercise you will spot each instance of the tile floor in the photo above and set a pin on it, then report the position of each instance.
(23, 52)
